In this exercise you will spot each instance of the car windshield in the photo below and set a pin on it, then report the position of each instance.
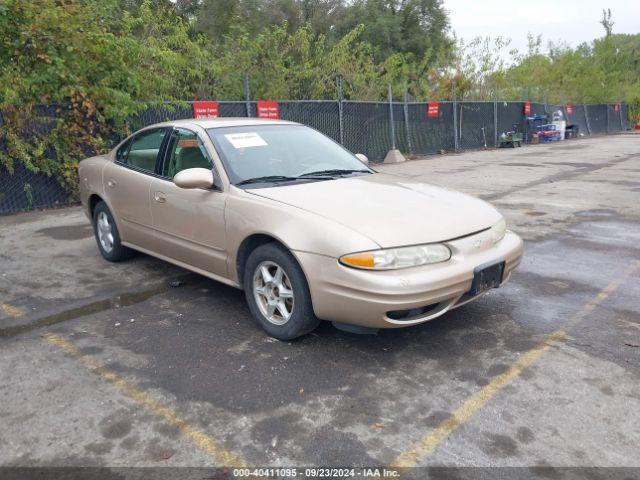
(273, 154)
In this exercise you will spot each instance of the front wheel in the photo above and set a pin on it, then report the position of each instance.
(277, 293)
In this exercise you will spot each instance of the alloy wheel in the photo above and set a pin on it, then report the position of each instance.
(273, 292)
(105, 232)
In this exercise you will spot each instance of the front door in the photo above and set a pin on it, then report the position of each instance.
(128, 185)
(189, 223)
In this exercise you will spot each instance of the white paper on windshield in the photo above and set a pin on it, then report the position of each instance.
(246, 139)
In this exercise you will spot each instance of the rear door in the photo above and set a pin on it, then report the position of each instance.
(189, 223)
(128, 185)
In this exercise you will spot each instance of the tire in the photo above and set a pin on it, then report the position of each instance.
(107, 235)
(267, 299)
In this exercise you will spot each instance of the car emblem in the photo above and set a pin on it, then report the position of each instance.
(477, 244)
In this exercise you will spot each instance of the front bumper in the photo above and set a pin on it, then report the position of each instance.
(364, 297)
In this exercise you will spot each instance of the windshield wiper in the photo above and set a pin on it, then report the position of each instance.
(277, 178)
(334, 171)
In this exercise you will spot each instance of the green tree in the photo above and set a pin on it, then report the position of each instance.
(604, 70)
(97, 62)
(218, 18)
(416, 27)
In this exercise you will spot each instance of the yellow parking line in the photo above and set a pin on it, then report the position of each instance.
(204, 442)
(10, 310)
(431, 441)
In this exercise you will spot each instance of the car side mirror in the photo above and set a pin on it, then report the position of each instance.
(194, 178)
(363, 158)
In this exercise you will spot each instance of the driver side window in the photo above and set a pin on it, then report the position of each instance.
(185, 151)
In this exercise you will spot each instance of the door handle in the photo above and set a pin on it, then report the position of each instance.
(112, 183)
(159, 197)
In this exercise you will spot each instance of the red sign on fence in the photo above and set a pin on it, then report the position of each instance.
(527, 108)
(268, 109)
(205, 109)
(433, 109)
(569, 108)
(616, 107)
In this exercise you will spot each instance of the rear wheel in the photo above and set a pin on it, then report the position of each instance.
(277, 293)
(107, 235)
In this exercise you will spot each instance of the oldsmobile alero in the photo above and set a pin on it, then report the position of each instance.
(306, 228)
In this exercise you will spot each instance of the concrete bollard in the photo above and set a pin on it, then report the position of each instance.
(394, 156)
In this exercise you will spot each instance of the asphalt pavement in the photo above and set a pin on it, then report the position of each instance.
(144, 364)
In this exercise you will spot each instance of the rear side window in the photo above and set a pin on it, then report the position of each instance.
(144, 148)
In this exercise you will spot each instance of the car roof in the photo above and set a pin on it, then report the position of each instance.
(207, 123)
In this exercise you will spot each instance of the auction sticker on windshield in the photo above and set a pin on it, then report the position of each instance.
(245, 139)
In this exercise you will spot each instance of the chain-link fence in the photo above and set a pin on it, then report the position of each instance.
(371, 128)
(428, 135)
(577, 116)
(597, 115)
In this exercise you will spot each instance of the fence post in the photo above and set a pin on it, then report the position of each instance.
(393, 130)
(247, 94)
(495, 120)
(620, 115)
(586, 117)
(565, 112)
(607, 130)
(546, 107)
(340, 118)
(406, 120)
(455, 125)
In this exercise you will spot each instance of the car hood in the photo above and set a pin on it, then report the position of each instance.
(390, 210)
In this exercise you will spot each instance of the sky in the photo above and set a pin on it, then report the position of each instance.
(571, 21)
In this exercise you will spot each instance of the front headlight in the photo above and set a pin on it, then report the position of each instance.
(499, 230)
(403, 257)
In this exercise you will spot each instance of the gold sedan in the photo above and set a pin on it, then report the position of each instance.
(302, 225)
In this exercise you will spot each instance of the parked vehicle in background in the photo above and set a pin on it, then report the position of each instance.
(307, 229)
